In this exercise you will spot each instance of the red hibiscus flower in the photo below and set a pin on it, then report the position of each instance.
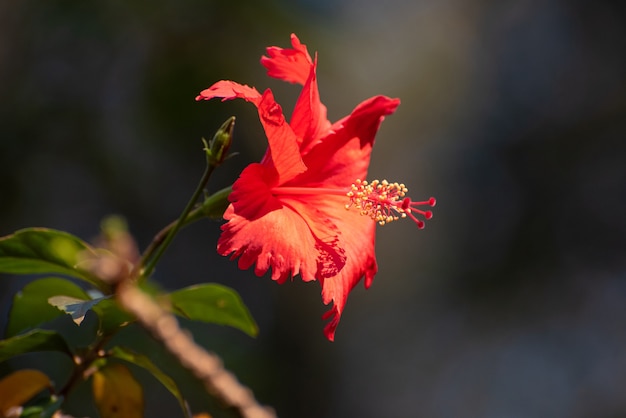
(300, 210)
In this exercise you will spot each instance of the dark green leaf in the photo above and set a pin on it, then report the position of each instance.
(44, 251)
(215, 304)
(31, 308)
(45, 299)
(45, 409)
(112, 316)
(32, 341)
(75, 307)
(144, 362)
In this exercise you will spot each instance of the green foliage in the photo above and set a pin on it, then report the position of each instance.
(46, 409)
(63, 257)
(145, 363)
(215, 304)
(47, 251)
(215, 205)
(33, 341)
(31, 308)
(46, 299)
(75, 307)
(112, 316)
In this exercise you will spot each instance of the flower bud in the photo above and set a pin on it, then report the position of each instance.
(217, 149)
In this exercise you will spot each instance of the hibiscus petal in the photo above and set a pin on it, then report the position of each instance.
(229, 90)
(283, 234)
(366, 118)
(357, 239)
(331, 257)
(288, 64)
(251, 195)
(344, 154)
(262, 242)
(257, 224)
(309, 121)
(283, 144)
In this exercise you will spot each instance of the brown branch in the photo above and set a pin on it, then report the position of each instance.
(204, 365)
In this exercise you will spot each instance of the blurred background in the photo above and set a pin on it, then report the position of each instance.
(510, 303)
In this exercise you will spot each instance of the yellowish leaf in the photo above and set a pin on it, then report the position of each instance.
(116, 392)
(19, 387)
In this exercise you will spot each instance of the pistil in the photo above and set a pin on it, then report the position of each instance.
(382, 201)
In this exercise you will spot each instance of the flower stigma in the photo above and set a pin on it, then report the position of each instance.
(382, 201)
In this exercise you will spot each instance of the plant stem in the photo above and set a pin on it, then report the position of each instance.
(206, 366)
(216, 152)
(212, 207)
(84, 364)
(159, 244)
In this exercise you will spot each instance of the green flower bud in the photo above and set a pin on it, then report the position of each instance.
(217, 149)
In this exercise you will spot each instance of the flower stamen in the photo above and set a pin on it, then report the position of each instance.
(385, 202)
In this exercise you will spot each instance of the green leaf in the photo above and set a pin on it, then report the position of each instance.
(116, 392)
(46, 299)
(215, 304)
(31, 308)
(20, 386)
(144, 362)
(44, 251)
(75, 307)
(44, 409)
(112, 316)
(32, 341)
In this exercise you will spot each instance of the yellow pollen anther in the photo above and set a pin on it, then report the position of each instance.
(385, 202)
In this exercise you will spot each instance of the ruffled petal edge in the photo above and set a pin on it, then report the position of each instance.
(288, 64)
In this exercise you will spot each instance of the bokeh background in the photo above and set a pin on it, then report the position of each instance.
(512, 301)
